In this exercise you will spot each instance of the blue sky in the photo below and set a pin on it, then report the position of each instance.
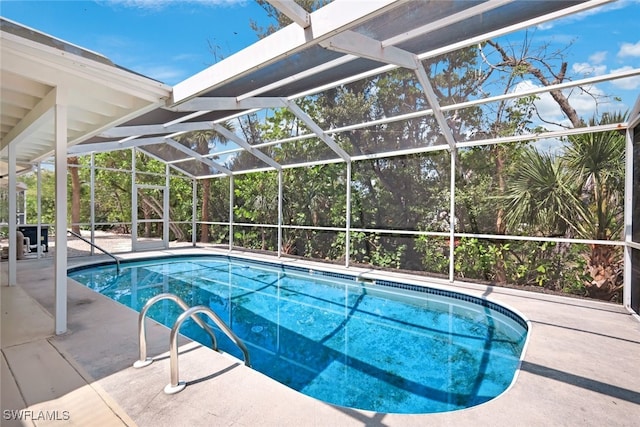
(166, 40)
(172, 40)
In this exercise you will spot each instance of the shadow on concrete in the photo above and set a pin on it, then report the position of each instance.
(214, 375)
(582, 382)
(585, 331)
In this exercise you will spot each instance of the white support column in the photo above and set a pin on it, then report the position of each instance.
(347, 237)
(231, 201)
(452, 217)
(61, 213)
(166, 218)
(134, 202)
(92, 201)
(194, 212)
(280, 213)
(13, 218)
(39, 208)
(628, 218)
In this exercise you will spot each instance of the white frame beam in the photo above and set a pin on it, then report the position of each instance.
(313, 126)
(228, 103)
(141, 130)
(365, 47)
(352, 43)
(423, 78)
(196, 156)
(244, 144)
(293, 11)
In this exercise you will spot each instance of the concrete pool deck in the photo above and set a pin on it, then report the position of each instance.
(581, 366)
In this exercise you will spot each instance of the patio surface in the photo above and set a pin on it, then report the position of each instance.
(581, 367)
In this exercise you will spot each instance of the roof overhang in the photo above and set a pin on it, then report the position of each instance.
(39, 72)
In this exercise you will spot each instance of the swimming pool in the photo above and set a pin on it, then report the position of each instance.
(383, 346)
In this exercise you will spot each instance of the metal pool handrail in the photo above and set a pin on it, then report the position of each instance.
(175, 385)
(97, 247)
(142, 336)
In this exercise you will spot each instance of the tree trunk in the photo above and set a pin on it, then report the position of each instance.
(147, 225)
(75, 194)
(605, 271)
(501, 227)
(204, 228)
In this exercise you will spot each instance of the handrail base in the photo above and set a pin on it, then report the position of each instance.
(142, 363)
(173, 389)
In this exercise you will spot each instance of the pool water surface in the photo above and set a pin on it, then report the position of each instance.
(345, 342)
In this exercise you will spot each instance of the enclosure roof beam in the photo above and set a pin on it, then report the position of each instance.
(244, 144)
(285, 43)
(433, 101)
(421, 31)
(338, 41)
(313, 126)
(445, 22)
(363, 46)
(126, 131)
(293, 11)
(366, 47)
(197, 156)
(228, 103)
(171, 165)
(114, 145)
(299, 76)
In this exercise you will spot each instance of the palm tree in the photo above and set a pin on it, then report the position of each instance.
(203, 142)
(579, 193)
(541, 195)
(598, 161)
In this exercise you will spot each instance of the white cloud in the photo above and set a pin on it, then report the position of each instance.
(589, 69)
(547, 108)
(629, 49)
(598, 57)
(163, 73)
(630, 83)
(161, 4)
(582, 100)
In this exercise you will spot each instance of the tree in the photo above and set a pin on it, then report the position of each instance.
(203, 142)
(73, 166)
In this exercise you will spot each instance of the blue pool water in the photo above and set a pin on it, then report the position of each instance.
(349, 343)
